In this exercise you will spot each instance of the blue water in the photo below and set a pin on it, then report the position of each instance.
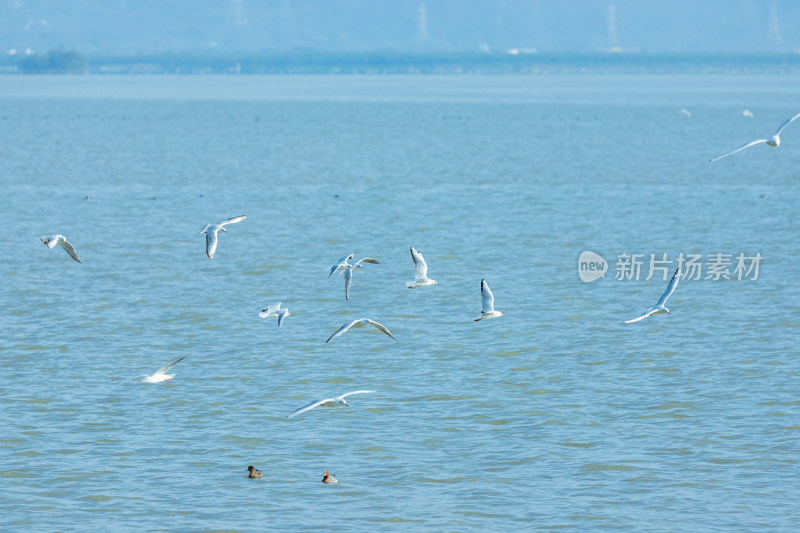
(557, 415)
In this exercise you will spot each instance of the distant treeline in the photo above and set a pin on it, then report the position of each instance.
(310, 62)
(54, 62)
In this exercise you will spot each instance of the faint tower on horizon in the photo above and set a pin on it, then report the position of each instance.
(239, 16)
(422, 22)
(611, 25)
(774, 33)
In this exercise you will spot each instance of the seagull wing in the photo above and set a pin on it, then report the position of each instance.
(367, 260)
(382, 328)
(311, 406)
(487, 298)
(211, 244)
(748, 145)
(420, 266)
(348, 276)
(64, 243)
(166, 368)
(233, 220)
(204, 228)
(787, 123)
(274, 308)
(637, 319)
(346, 394)
(282, 316)
(670, 288)
(341, 331)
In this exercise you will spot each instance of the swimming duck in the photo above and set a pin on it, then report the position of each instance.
(329, 478)
(253, 472)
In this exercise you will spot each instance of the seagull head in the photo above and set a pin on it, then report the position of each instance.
(344, 402)
(667, 311)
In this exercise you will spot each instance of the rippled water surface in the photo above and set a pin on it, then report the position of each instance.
(557, 415)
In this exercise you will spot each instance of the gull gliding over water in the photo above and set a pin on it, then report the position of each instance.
(420, 271)
(344, 263)
(273, 311)
(775, 140)
(62, 241)
(360, 323)
(487, 299)
(161, 373)
(659, 307)
(211, 231)
(329, 402)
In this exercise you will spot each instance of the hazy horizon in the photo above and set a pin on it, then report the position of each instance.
(224, 26)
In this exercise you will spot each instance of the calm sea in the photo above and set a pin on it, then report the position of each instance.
(556, 416)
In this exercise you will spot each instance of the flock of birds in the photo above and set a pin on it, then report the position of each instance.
(421, 279)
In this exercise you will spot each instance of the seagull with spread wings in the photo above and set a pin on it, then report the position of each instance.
(360, 323)
(775, 140)
(420, 271)
(62, 241)
(329, 402)
(660, 305)
(211, 231)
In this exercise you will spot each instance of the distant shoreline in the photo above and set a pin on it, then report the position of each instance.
(510, 63)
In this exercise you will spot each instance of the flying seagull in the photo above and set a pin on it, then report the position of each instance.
(273, 311)
(161, 374)
(211, 231)
(420, 271)
(659, 307)
(62, 241)
(329, 402)
(487, 299)
(360, 323)
(775, 140)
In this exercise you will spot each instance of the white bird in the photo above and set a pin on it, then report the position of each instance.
(659, 307)
(329, 402)
(360, 323)
(273, 311)
(420, 271)
(161, 374)
(775, 140)
(747, 113)
(348, 273)
(211, 233)
(344, 263)
(62, 241)
(487, 299)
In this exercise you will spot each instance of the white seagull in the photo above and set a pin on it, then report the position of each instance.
(211, 233)
(775, 140)
(487, 299)
(62, 241)
(161, 373)
(348, 273)
(273, 311)
(659, 307)
(344, 263)
(360, 323)
(330, 402)
(420, 271)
